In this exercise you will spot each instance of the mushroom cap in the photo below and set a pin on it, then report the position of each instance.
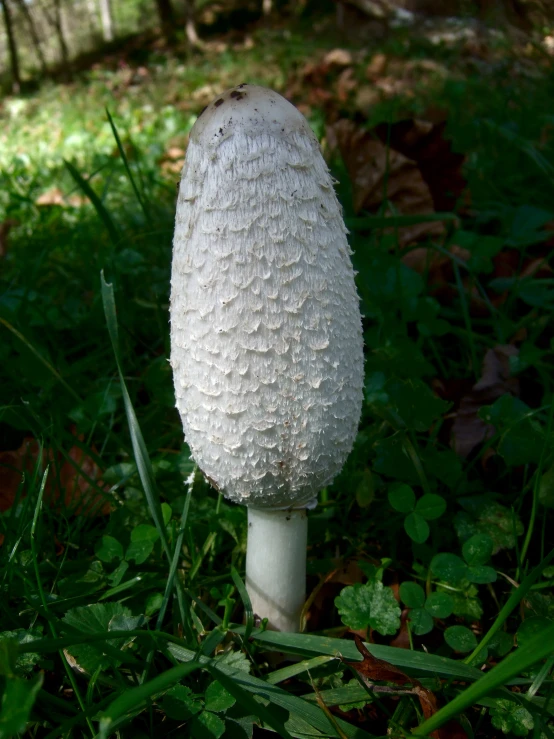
(249, 108)
(266, 334)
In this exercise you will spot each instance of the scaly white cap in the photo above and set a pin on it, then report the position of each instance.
(266, 335)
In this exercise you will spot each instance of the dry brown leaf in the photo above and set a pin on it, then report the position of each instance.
(376, 67)
(74, 478)
(53, 196)
(373, 670)
(338, 57)
(5, 228)
(425, 143)
(469, 430)
(377, 670)
(371, 166)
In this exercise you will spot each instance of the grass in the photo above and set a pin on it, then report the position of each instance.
(122, 569)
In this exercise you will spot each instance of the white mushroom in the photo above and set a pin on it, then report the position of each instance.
(266, 335)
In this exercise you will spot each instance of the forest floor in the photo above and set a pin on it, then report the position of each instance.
(123, 599)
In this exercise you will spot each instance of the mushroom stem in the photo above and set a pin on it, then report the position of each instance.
(276, 565)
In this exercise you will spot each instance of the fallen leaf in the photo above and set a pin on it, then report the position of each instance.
(5, 228)
(338, 57)
(373, 670)
(469, 430)
(425, 143)
(74, 478)
(377, 670)
(53, 196)
(376, 67)
(376, 170)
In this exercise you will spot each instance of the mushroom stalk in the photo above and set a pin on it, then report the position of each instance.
(276, 565)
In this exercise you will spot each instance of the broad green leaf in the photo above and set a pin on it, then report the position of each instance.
(207, 725)
(12, 662)
(439, 605)
(477, 550)
(482, 249)
(93, 619)
(522, 444)
(180, 703)
(415, 404)
(107, 549)
(217, 698)
(460, 638)
(365, 489)
(501, 643)
(509, 716)
(546, 488)
(481, 574)
(140, 550)
(145, 532)
(153, 604)
(530, 628)
(526, 227)
(17, 702)
(448, 567)
(514, 664)
(416, 527)
(392, 460)
(412, 594)
(402, 498)
(371, 604)
(421, 622)
(431, 506)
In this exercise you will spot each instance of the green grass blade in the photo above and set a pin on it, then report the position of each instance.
(252, 706)
(127, 168)
(539, 647)
(142, 457)
(44, 361)
(132, 700)
(248, 612)
(285, 673)
(305, 711)
(307, 645)
(99, 206)
(513, 601)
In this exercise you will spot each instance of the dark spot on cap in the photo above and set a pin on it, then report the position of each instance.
(219, 102)
(237, 95)
(203, 109)
(242, 84)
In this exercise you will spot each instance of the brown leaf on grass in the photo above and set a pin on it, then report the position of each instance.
(74, 480)
(55, 197)
(425, 143)
(377, 670)
(377, 172)
(469, 430)
(373, 670)
(5, 228)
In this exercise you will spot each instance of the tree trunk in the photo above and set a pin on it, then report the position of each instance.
(37, 43)
(12, 46)
(107, 20)
(167, 18)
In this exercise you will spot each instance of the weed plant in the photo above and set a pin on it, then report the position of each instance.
(137, 623)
